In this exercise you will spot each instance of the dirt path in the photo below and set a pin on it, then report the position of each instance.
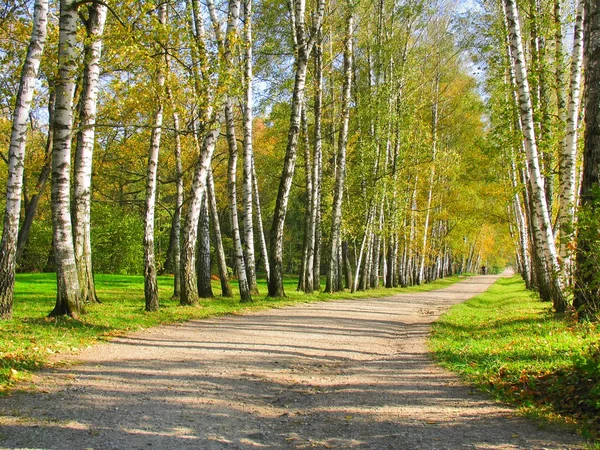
(345, 374)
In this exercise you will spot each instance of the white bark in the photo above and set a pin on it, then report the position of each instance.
(82, 191)
(313, 277)
(209, 123)
(568, 150)
(434, 130)
(333, 273)
(176, 225)
(528, 129)
(240, 264)
(231, 186)
(250, 259)
(16, 157)
(221, 261)
(303, 48)
(304, 280)
(68, 299)
(261, 233)
(521, 225)
(150, 283)
(189, 237)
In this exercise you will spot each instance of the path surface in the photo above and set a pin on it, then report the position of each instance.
(344, 374)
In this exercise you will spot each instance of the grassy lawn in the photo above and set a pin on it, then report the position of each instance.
(510, 344)
(31, 339)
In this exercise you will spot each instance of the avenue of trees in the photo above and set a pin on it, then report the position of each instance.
(542, 76)
(344, 139)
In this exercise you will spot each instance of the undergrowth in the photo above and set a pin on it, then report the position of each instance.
(510, 344)
(32, 340)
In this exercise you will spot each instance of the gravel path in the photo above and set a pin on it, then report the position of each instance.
(344, 374)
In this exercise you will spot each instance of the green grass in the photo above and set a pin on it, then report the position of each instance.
(508, 343)
(31, 340)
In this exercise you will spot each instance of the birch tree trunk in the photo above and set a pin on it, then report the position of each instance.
(303, 47)
(231, 186)
(261, 233)
(303, 279)
(189, 238)
(244, 288)
(313, 277)
(333, 272)
(434, 130)
(82, 191)
(250, 259)
(221, 261)
(210, 124)
(150, 283)
(203, 261)
(568, 149)
(587, 297)
(32, 205)
(521, 227)
(175, 243)
(16, 157)
(68, 296)
(535, 177)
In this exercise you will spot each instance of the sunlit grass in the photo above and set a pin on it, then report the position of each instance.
(31, 339)
(510, 344)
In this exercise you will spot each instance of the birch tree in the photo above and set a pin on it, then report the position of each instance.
(536, 181)
(175, 242)
(240, 264)
(209, 122)
(587, 288)
(150, 283)
(203, 260)
(221, 262)
(82, 191)
(32, 205)
(333, 272)
(303, 44)
(249, 257)
(68, 295)
(259, 222)
(568, 148)
(16, 157)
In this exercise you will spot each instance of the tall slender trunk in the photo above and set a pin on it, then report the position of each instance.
(360, 258)
(209, 124)
(46, 170)
(568, 149)
(175, 238)
(434, 133)
(82, 191)
(535, 177)
(16, 157)
(312, 276)
(305, 278)
(264, 254)
(150, 283)
(285, 184)
(221, 261)
(250, 259)
(303, 48)
(333, 272)
(232, 188)
(521, 227)
(377, 243)
(189, 238)
(587, 298)
(68, 296)
(203, 260)
(227, 42)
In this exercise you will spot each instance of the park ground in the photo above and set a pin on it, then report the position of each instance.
(343, 374)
